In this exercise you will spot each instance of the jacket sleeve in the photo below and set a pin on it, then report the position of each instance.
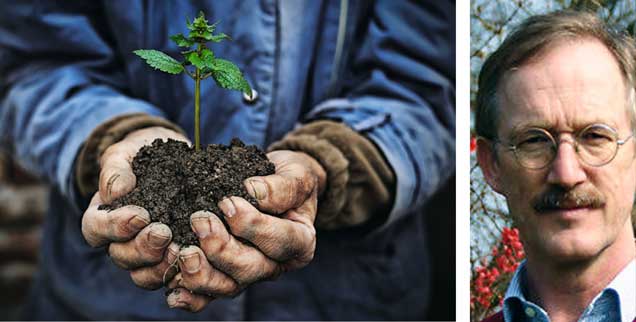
(59, 79)
(399, 93)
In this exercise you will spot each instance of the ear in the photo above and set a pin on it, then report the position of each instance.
(489, 164)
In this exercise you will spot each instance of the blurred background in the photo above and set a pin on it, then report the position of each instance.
(495, 247)
(22, 208)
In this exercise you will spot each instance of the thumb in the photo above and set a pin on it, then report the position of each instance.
(116, 178)
(277, 194)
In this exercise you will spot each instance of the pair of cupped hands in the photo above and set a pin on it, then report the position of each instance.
(280, 231)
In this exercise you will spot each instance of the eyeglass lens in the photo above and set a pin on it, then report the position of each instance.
(596, 145)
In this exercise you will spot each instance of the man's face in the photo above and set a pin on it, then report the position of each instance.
(573, 84)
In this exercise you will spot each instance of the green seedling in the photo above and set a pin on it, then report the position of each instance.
(225, 73)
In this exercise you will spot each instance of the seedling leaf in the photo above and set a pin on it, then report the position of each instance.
(160, 61)
(200, 34)
(207, 56)
(181, 40)
(229, 76)
(200, 22)
(220, 37)
(202, 61)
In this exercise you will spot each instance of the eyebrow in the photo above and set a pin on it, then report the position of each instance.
(547, 126)
(521, 127)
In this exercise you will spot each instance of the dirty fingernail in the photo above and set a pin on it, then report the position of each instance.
(175, 282)
(159, 236)
(137, 222)
(191, 262)
(173, 249)
(110, 183)
(258, 189)
(200, 223)
(179, 279)
(173, 299)
(228, 207)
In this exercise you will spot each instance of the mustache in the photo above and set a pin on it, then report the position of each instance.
(556, 197)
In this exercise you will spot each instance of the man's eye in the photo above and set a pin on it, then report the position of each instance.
(534, 144)
(537, 139)
(596, 137)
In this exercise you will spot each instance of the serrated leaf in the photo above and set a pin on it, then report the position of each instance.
(160, 61)
(227, 75)
(194, 59)
(207, 56)
(181, 40)
(220, 37)
(189, 24)
(204, 60)
(200, 34)
(211, 27)
(201, 30)
(200, 21)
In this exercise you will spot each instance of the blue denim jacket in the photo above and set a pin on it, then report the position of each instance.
(384, 68)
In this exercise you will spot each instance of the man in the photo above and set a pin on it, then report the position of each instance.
(355, 101)
(555, 117)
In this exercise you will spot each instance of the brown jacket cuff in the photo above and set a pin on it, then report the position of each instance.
(110, 132)
(360, 182)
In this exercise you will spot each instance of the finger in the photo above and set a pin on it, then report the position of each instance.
(147, 135)
(154, 277)
(176, 280)
(281, 239)
(200, 277)
(116, 177)
(181, 298)
(243, 263)
(100, 227)
(145, 249)
(285, 190)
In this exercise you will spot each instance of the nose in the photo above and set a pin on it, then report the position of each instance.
(566, 170)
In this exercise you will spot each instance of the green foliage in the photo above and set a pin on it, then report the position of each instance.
(226, 74)
(200, 29)
(201, 60)
(182, 41)
(160, 61)
(220, 37)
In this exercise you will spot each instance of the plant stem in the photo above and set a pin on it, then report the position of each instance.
(197, 110)
(197, 105)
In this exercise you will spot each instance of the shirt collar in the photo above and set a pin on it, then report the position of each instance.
(625, 286)
(517, 308)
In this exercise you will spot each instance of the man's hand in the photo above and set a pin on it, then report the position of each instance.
(133, 243)
(258, 246)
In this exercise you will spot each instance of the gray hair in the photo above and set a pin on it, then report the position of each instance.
(532, 37)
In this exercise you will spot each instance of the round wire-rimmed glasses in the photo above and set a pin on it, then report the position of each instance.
(535, 148)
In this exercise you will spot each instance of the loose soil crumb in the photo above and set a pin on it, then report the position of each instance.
(174, 181)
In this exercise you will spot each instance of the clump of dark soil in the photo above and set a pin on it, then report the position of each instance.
(174, 181)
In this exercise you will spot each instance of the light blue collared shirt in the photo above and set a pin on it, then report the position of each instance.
(617, 302)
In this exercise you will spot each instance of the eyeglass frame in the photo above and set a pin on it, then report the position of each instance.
(575, 145)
